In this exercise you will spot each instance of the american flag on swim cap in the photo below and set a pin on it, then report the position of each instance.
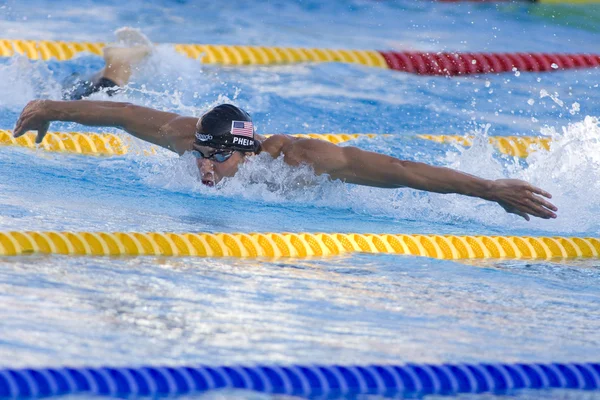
(242, 128)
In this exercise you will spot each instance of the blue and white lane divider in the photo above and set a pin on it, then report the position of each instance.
(296, 380)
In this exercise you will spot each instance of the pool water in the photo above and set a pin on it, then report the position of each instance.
(353, 309)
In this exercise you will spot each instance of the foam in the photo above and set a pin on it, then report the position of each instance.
(25, 80)
(570, 171)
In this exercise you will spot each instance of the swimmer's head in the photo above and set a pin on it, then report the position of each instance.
(224, 136)
(227, 127)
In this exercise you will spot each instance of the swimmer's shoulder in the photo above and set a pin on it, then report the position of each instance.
(180, 132)
(275, 144)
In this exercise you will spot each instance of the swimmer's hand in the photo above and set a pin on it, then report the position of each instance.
(521, 198)
(34, 117)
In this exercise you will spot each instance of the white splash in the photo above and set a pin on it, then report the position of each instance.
(26, 80)
(554, 97)
(168, 171)
(570, 171)
(263, 177)
(575, 108)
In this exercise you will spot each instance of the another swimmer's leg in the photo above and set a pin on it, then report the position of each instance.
(120, 62)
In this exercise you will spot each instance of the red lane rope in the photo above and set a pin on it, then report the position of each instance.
(452, 64)
(485, 1)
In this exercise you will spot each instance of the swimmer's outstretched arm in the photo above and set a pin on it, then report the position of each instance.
(361, 167)
(168, 130)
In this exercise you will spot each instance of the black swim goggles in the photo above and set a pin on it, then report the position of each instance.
(218, 156)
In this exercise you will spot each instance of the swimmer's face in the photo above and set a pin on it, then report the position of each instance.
(211, 171)
(215, 164)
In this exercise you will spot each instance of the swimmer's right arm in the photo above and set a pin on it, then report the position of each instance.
(169, 130)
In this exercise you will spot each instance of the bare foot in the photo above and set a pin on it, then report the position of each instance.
(126, 55)
(123, 56)
(130, 37)
(122, 61)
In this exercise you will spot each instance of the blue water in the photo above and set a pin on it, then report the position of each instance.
(353, 309)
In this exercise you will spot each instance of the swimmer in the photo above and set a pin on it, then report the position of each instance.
(224, 137)
(120, 59)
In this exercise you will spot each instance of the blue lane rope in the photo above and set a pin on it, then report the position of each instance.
(297, 380)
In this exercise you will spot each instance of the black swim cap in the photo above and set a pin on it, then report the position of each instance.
(227, 127)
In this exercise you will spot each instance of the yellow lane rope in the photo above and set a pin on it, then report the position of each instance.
(71, 142)
(293, 245)
(517, 146)
(335, 137)
(106, 144)
(208, 54)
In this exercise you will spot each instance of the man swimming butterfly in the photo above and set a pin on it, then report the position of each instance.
(224, 137)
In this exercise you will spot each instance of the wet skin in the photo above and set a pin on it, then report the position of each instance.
(347, 164)
(212, 172)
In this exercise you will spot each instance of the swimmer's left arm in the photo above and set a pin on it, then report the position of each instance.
(361, 167)
(353, 165)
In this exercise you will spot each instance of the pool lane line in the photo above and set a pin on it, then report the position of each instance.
(107, 144)
(86, 143)
(306, 381)
(294, 245)
(566, 1)
(455, 64)
(423, 63)
(524, 1)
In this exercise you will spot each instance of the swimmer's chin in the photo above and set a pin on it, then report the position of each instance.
(214, 183)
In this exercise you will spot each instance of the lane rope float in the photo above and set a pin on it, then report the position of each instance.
(107, 144)
(566, 1)
(516, 146)
(424, 63)
(453, 64)
(526, 1)
(71, 142)
(208, 54)
(308, 381)
(295, 245)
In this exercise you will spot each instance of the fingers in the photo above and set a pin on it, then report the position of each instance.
(19, 131)
(536, 210)
(543, 207)
(521, 214)
(539, 204)
(539, 191)
(20, 125)
(544, 203)
(513, 210)
(23, 123)
(41, 133)
(526, 200)
(30, 120)
(528, 208)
